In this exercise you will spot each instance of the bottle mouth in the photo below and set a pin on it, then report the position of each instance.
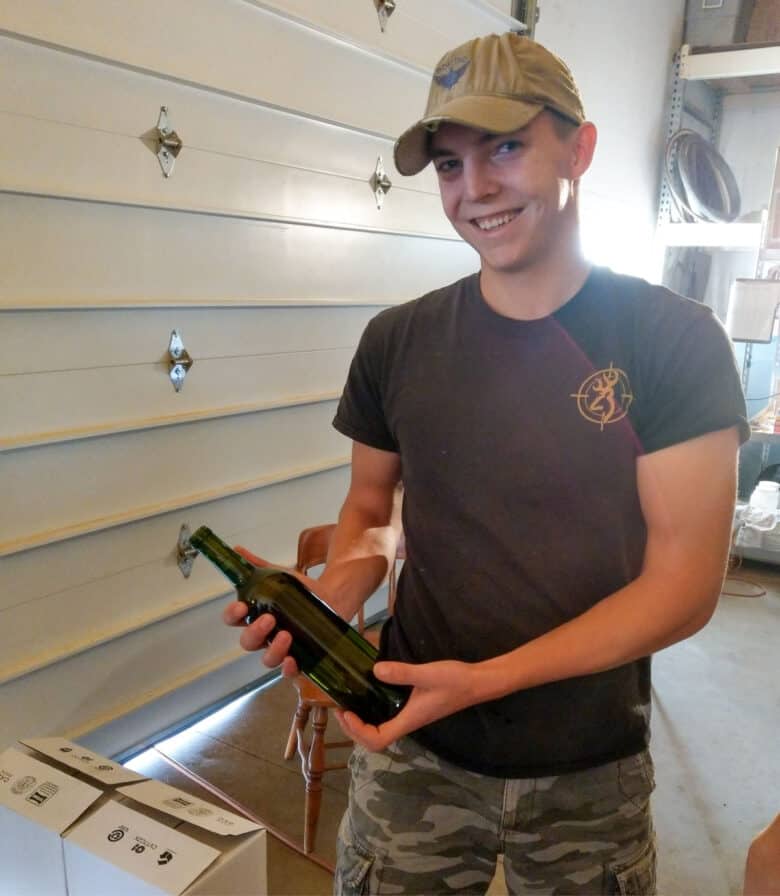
(200, 536)
(232, 564)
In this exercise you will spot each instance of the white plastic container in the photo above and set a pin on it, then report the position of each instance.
(771, 540)
(749, 537)
(765, 495)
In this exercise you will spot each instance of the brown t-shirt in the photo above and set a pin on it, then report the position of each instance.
(518, 444)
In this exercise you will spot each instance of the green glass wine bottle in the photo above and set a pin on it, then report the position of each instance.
(326, 648)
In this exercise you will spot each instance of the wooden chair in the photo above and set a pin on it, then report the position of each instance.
(313, 546)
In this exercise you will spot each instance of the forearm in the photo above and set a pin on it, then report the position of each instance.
(362, 549)
(687, 495)
(632, 622)
(647, 615)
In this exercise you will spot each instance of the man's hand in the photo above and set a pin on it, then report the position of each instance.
(255, 636)
(438, 690)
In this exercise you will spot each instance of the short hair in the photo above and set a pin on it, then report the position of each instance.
(564, 127)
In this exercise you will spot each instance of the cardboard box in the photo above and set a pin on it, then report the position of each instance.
(82, 830)
(37, 804)
(713, 23)
(40, 798)
(764, 22)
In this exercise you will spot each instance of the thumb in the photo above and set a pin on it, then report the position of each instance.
(394, 673)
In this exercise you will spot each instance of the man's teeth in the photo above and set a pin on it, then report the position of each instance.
(497, 221)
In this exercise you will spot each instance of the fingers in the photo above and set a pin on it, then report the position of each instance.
(252, 558)
(255, 636)
(374, 737)
(235, 613)
(397, 673)
(370, 736)
(349, 723)
(289, 667)
(277, 650)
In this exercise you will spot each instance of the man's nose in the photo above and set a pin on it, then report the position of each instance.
(478, 183)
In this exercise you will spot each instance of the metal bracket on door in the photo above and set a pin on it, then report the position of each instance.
(169, 143)
(380, 183)
(527, 13)
(185, 552)
(179, 361)
(384, 9)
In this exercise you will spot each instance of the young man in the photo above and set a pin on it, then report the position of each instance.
(567, 441)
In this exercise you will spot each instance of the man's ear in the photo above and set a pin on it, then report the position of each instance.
(583, 148)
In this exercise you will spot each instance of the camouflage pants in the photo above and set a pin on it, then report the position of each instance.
(417, 824)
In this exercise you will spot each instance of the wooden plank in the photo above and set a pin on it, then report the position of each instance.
(75, 374)
(235, 48)
(103, 255)
(417, 33)
(101, 97)
(53, 342)
(733, 235)
(266, 519)
(56, 492)
(39, 409)
(49, 159)
(746, 63)
(93, 688)
(68, 583)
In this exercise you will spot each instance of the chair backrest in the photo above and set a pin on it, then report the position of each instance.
(313, 544)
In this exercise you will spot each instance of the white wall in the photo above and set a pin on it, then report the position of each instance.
(620, 52)
(749, 141)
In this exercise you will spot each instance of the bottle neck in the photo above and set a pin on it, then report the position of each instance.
(231, 563)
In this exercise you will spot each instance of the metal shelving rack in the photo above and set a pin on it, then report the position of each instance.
(739, 68)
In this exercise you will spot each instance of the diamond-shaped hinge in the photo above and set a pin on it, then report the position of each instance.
(179, 361)
(169, 143)
(380, 183)
(185, 552)
(384, 9)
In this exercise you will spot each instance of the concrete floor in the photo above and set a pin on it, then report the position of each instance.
(716, 744)
(716, 739)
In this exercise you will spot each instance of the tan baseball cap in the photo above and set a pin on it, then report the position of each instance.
(497, 83)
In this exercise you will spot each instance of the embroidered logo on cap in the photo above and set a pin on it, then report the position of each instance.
(449, 72)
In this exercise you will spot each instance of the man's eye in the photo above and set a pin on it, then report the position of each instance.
(446, 166)
(508, 146)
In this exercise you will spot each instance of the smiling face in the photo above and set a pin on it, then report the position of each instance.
(512, 196)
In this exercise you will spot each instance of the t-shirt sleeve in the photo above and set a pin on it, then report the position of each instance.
(360, 413)
(695, 388)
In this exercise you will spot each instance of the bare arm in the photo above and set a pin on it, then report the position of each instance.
(364, 543)
(361, 550)
(687, 495)
(762, 867)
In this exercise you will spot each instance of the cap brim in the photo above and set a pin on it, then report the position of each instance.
(495, 114)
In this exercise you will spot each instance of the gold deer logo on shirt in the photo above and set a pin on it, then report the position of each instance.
(605, 396)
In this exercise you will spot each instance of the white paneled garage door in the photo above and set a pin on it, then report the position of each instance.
(264, 250)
